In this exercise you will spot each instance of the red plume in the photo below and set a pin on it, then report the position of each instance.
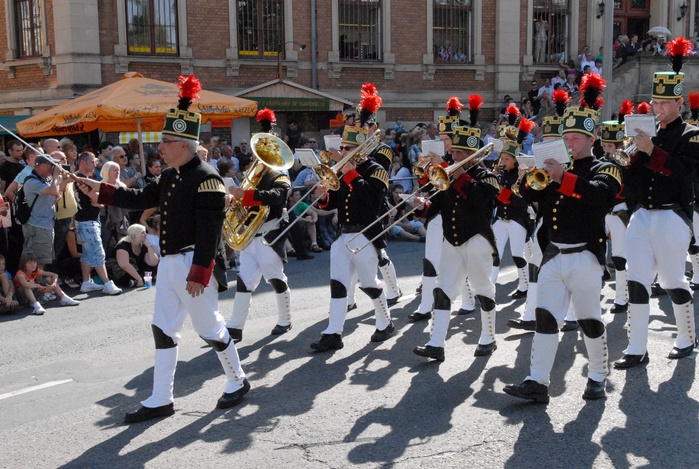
(368, 89)
(591, 87)
(371, 103)
(266, 115)
(190, 87)
(625, 109)
(561, 99)
(525, 126)
(454, 106)
(474, 102)
(512, 112)
(677, 50)
(693, 100)
(643, 108)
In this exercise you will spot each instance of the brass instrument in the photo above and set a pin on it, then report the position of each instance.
(538, 179)
(240, 223)
(420, 169)
(329, 178)
(622, 156)
(438, 176)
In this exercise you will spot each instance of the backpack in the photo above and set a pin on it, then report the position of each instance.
(21, 207)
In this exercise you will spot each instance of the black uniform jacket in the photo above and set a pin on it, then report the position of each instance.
(359, 200)
(508, 206)
(272, 191)
(574, 210)
(192, 204)
(383, 155)
(665, 178)
(467, 206)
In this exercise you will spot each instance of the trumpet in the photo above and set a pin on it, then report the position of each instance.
(538, 179)
(438, 176)
(328, 177)
(622, 156)
(420, 169)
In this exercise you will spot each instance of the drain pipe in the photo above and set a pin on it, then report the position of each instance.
(314, 47)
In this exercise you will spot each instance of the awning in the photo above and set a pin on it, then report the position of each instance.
(148, 137)
(10, 122)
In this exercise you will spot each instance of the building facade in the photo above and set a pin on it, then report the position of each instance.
(417, 52)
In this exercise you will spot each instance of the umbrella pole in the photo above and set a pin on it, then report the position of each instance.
(140, 147)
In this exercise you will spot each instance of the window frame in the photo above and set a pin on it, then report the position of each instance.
(153, 7)
(561, 31)
(449, 5)
(34, 30)
(375, 32)
(261, 53)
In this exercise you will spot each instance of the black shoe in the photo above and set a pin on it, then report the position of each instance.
(394, 301)
(677, 353)
(594, 389)
(304, 257)
(429, 351)
(236, 334)
(569, 326)
(485, 350)
(351, 307)
(694, 286)
(464, 311)
(518, 294)
(629, 361)
(606, 275)
(279, 330)
(316, 248)
(328, 342)
(231, 399)
(656, 290)
(418, 290)
(529, 389)
(380, 336)
(147, 413)
(521, 324)
(618, 309)
(420, 316)
(291, 254)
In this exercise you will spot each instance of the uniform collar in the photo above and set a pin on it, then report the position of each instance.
(189, 165)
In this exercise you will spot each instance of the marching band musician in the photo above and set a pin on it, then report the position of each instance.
(660, 230)
(466, 208)
(191, 196)
(258, 259)
(512, 219)
(573, 206)
(363, 186)
(612, 138)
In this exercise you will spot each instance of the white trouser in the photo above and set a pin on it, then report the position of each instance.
(517, 235)
(257, 260)
(660, 239)
(433, 251)
(575, 277)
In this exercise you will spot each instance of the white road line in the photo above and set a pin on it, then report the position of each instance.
(34, 388)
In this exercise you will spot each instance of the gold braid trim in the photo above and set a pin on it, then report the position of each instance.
(381, 175)
(492, 180)
(387, 152)
(212, 185)
(284, 179)
(614, 172)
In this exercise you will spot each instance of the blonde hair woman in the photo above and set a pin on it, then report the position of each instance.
(135, 255)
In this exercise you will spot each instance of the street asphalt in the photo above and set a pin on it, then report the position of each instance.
(68, 377)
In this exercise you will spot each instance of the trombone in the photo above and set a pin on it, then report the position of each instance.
(328, 177)
(440, 178)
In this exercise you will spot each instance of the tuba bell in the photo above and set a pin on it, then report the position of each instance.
(242, 223)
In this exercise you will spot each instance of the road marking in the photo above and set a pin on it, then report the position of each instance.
(34, 388)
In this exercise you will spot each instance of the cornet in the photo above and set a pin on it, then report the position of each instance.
(622, 156)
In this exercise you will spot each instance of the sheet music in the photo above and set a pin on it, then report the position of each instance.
(553, 149)
(525, 162)
(433, 146)
(644, 122)
(332, 142)
(307, 157)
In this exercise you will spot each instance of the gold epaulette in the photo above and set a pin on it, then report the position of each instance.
(492, 180)
(212, 185)
(283, 178)
(614, 172)
(381, 175)
(387, 152)
(694, 139)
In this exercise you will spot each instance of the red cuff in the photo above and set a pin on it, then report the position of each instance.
(568, 185)
(325, 204)
(464, 180)
(350, 176)
(200, 274)
(106, 196)
(504, 195)
(657, 162)
(249, 199)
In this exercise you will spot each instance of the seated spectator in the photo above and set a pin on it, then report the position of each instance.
(570, 85)
(409, 229)
(326, 224)
(308, 221)
(30, 278)
(402, 173)
(7, 296)
(134, 256)
(153, 169)
(153, 229)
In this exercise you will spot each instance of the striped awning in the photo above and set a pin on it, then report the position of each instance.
(148, 137)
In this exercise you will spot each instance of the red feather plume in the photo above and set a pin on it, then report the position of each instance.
(190, 87)
(525, 126)
(643, 108)
(454, 106)
(591, 87)
(368, 89)
(677, 50)
(266, 114)
(512, 110)
(474, 102)
(370, 103)
(693, 100)
(626, 108)
(561, 100)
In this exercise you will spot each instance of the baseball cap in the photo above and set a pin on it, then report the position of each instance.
(40, 159)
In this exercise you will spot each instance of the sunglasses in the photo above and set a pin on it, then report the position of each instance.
(346, 148)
